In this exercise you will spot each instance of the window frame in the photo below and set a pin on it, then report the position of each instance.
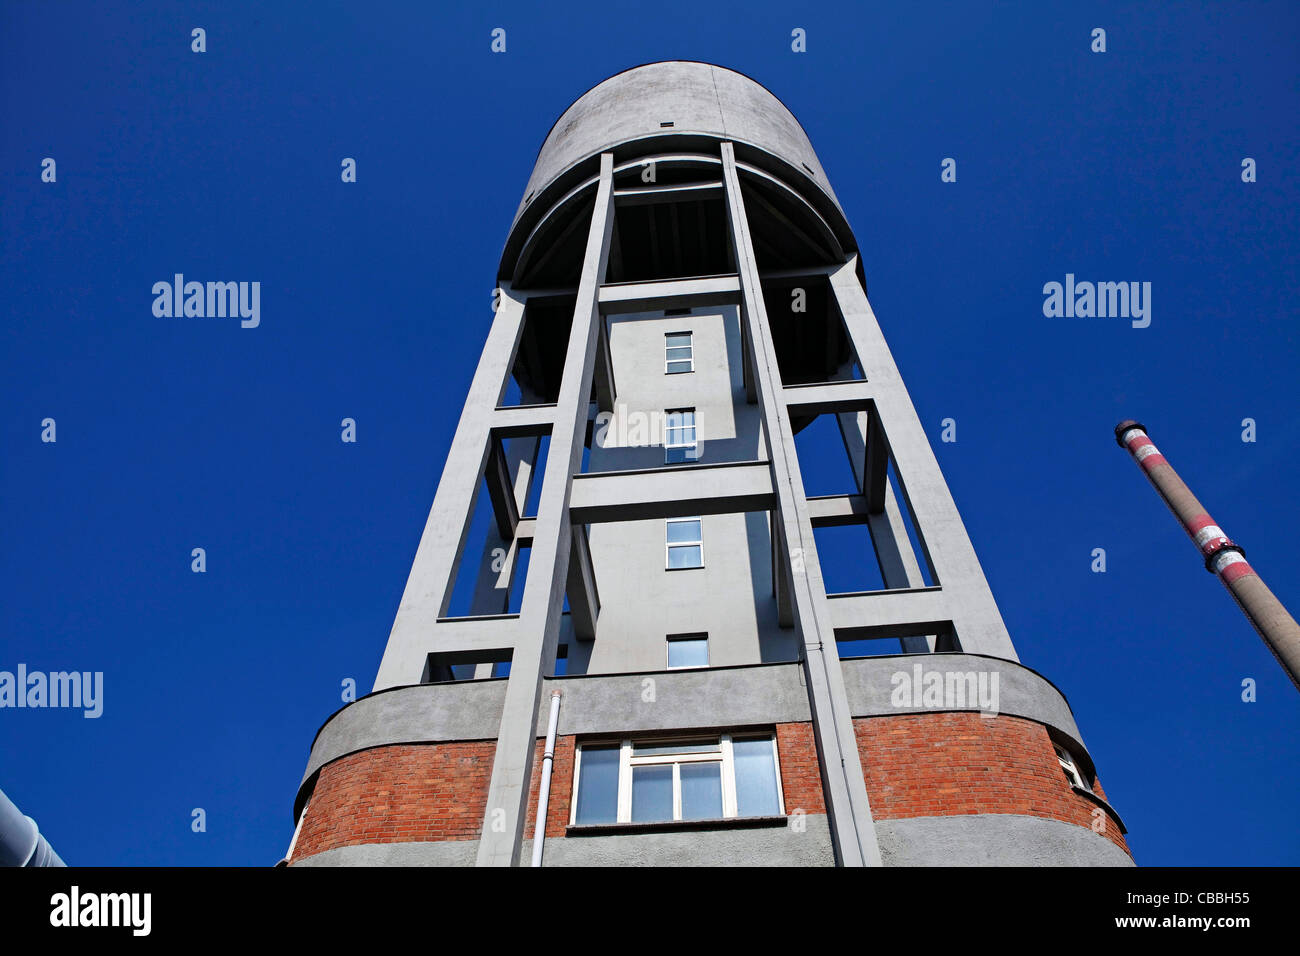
(669, 545)
(690, 334)
(693, 445)
(1073, 775)
(670, 639)
(724, 755)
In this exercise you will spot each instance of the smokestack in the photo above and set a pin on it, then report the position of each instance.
(1222, 557)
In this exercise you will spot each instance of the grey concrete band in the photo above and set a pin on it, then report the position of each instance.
(450, 853)
(985, 839)
(681, 700)
(873, 689)
(994, 839)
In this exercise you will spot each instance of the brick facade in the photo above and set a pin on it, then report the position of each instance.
(922, 765)
(399, 794)
(916, 765)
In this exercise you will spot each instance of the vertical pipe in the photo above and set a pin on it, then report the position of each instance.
(1222, 557)
(296, 830)
(544, 791)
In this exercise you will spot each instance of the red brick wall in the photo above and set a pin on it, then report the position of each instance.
(801, 775)
(557, 806)
(920, 765)
(398, 794)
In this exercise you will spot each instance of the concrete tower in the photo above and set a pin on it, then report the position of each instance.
(622, 551)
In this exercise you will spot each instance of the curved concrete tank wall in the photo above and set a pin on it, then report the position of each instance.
(703, 102)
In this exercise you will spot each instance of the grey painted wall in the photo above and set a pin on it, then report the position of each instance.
(731, 597)
(679, 700)
(994, 839)
(762, 846)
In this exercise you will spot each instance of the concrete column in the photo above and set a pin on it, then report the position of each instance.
(543, 598)
(428, 587)
(979, 625)
(847, 806)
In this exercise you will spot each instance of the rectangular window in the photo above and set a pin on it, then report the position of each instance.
(684, 544)
(1070, 768)
(699, 778)
(680, 444)
(688, 650)
(679, 353)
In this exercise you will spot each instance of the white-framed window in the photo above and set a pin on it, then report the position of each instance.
(719, 777)
(680, 444)
(1070, 768)
(683, 544)
(679, 353)
(688, 650)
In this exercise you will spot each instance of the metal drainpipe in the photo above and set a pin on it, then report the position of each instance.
(293, 842)
(21, 843)
(544, 794)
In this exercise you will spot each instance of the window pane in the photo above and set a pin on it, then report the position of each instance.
(677, 339)
(683, 531)
(685, 556)
(598, 785)
(693, 652)
(756, 793)
(679, 419)
(675, 368)
(682, 354)
(652, 793)
(653, 750)
(701, 791)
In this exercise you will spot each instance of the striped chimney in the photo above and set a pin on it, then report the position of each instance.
(1222, 557)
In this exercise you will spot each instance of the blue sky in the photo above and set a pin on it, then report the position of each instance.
(183, 433)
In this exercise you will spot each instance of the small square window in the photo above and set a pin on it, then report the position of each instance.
(688, 650)
(679, 353)
(684, 544)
